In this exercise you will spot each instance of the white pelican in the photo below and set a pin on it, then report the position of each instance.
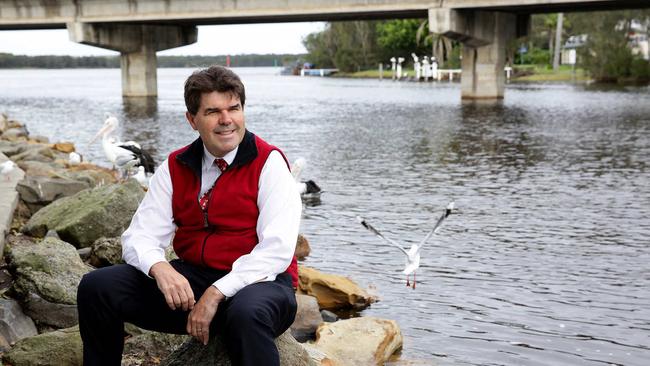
(123, 155)
(413, 254)
(6, 168)
(308, 190)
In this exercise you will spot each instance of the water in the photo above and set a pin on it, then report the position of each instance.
(546, 261)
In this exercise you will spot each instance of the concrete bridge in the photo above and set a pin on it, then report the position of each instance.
(139, 28)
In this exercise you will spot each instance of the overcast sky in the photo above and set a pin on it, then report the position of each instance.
(213, 40)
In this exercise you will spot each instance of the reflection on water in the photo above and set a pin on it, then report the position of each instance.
(546, 260)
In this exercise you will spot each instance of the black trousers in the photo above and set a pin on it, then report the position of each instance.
(249, 321)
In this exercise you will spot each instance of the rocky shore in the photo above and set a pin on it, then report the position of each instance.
(60, 220)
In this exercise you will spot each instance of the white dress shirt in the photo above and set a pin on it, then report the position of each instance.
(152, 226)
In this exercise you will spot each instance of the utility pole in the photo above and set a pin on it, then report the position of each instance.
(558, 42)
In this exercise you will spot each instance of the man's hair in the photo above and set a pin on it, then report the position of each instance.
(214, 78)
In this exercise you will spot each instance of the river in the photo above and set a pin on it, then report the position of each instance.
(545, 262)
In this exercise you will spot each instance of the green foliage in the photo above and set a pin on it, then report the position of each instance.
(399, 38)
(347, 46)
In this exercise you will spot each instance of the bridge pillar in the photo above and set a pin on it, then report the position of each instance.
(137, 45)
(484, 35)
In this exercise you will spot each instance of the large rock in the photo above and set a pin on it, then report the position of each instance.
(37, 152)
(106, 252)
(88, 215)
(46, 277)
(14, 324)
(332, 291)
(308, 318)
(195, 353)
(39, 168)
(359, 341)
(145, 347)
(38, 192)
(61, 347)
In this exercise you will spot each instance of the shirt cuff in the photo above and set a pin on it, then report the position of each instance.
(229, 285)
(152, 258)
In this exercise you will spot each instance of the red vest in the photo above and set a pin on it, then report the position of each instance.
(228, 230)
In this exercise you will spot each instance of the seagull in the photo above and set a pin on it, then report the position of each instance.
(141, 177)
(308, 190)
(413, 254)
(74, 158)
(123, 155)
(6, 168)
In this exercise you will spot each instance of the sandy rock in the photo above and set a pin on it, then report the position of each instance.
(88, 215)
(194, 353)
(308, 318)
(39, 139)
(302, 247)
(359, 341)
(106, 252)
(333, 291)
(61, 347)
(320, 357)
(14, 324)
(65, 147)
(46, 277)
(4, 123)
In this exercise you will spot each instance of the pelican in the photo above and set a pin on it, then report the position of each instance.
(123, 155)
(308, 190)
(6, 168)
(413, 254)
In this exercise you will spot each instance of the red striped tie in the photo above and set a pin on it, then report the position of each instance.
(203, 201)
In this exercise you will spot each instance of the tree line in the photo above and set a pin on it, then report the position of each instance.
(607, 55)
(8, 60)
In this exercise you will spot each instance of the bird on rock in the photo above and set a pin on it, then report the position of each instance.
(413, 254)
(123, 155)
(6, 168)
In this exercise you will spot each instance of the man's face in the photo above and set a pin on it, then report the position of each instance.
(220, 122)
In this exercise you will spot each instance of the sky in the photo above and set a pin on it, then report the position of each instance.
(212, 40)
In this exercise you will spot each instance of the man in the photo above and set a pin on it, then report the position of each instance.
(231, 206)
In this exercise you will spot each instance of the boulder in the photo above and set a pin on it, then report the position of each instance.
(39, 139)
(36, 152)
(65, 147)
(14, 324)
(4, 122)
(46, 277)
(106, 252)
(12, 133)
(333, 291)
(38, 192)
(195, 353)
(328, 316)
(302, 247)
(145, 347)
(61, 347)
(308, 318)
(88, 215)
(39, 168)
(359, 341)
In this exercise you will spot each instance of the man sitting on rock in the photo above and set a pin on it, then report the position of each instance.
(232, 208)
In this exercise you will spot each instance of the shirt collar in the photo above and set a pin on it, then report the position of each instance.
(208, 159)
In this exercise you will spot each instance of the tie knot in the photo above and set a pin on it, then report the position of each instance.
(221, 164)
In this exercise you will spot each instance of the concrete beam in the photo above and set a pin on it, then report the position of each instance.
(137, 45)
(484, 36)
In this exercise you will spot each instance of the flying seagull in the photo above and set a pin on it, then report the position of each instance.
(413, 254)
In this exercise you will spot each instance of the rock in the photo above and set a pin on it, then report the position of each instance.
(39, 168)
(36, 152)
(38, 192)
(4, 123)
(360, 341)
(308, 318)
(332, 291)
(88, 215)
(320, 357)
(328, 316)
(302, 247)
(195, 353)
(61, 347)
(14, 324)
(39, 139)
(84, 253)
(13, 133)
(11, 148)
(46, 277)
(65, 147)
(147, 347)
(106, 252)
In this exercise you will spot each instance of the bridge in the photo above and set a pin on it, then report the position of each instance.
(140, 28)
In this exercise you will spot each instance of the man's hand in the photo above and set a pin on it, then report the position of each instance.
(198, 322)
(177, 290)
